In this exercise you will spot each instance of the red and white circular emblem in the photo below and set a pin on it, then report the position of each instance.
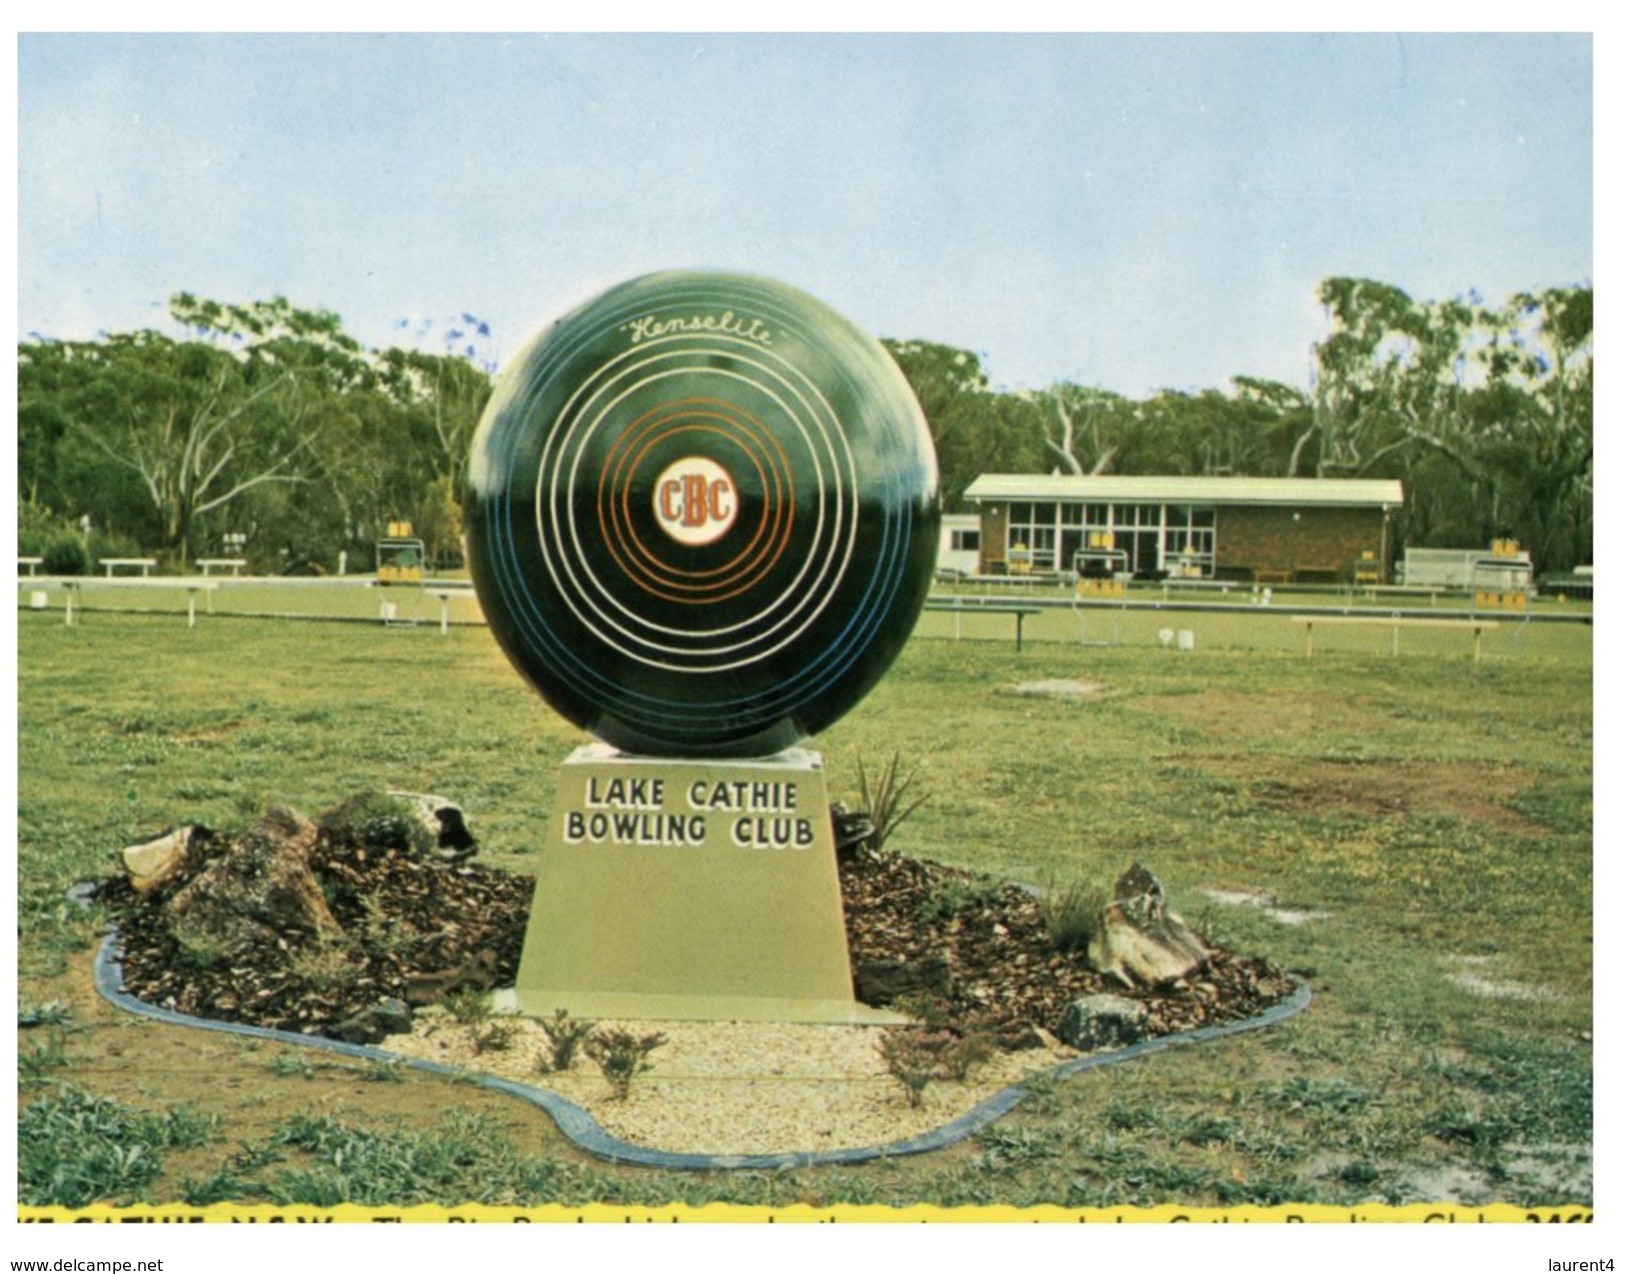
(695, 501)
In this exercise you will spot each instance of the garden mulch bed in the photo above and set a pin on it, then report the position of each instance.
(1005, 971)
(420, 930)
(417, 927)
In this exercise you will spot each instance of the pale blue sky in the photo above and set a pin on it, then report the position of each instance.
(1136, 212)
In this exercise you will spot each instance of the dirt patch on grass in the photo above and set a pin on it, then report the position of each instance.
(209, 734)
(1266, 904)
(1480, 975)
(1247, 720)
(1481, 793)
(1476, 792)
(1238, 724)
(1060, 689)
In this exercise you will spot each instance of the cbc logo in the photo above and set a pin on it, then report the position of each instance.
(695, 501)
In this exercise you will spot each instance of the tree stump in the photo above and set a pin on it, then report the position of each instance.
(260, 887)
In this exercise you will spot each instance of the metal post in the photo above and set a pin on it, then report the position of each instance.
(445, 614)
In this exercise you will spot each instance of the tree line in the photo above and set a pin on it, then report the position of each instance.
(1483, 411)
(262, 425)
(266, 426)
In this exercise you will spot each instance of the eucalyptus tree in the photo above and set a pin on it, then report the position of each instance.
(1085, 427)
(953, 391)
(1263, 429)
(1485, 411)
(1529, 442)
(1211, 432)
(197, 425)
(1377, 375)
(181, 421)
(443, 395)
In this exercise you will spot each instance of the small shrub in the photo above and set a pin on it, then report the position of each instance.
(382, 932)
(622, 1056)
(930, 1011)
(967, 1053)
(496, 1035)
(67, 554)
(935, 1049)
(36, 1064)
(375, 820)
(103, 542)
(913, 1058)
(887, 804)
(955, 896)
(325, 964)
(37, 526)
(565, 1035)
(1072, 913)
(468, 1007)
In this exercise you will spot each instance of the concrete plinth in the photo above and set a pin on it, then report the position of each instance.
(689, 891)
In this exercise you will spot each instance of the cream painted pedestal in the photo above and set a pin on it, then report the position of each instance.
(698, 890)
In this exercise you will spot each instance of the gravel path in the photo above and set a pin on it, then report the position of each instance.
(738, 1087)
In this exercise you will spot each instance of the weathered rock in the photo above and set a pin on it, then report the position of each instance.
(852, 828)
(880, 982)
(170, 855)
(259, 887)
(388, 1017)
(444, 821)
(479, 972)
(1103, 1021)
(373, 820)
(1138, 940)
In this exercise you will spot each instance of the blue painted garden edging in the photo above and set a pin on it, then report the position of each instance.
(586, 1133)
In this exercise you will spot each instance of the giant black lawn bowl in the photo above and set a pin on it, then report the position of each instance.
(702, 515)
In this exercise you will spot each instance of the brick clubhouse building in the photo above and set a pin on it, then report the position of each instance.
(1264, 530)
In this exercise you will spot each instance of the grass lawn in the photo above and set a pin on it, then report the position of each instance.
(1412, 834)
